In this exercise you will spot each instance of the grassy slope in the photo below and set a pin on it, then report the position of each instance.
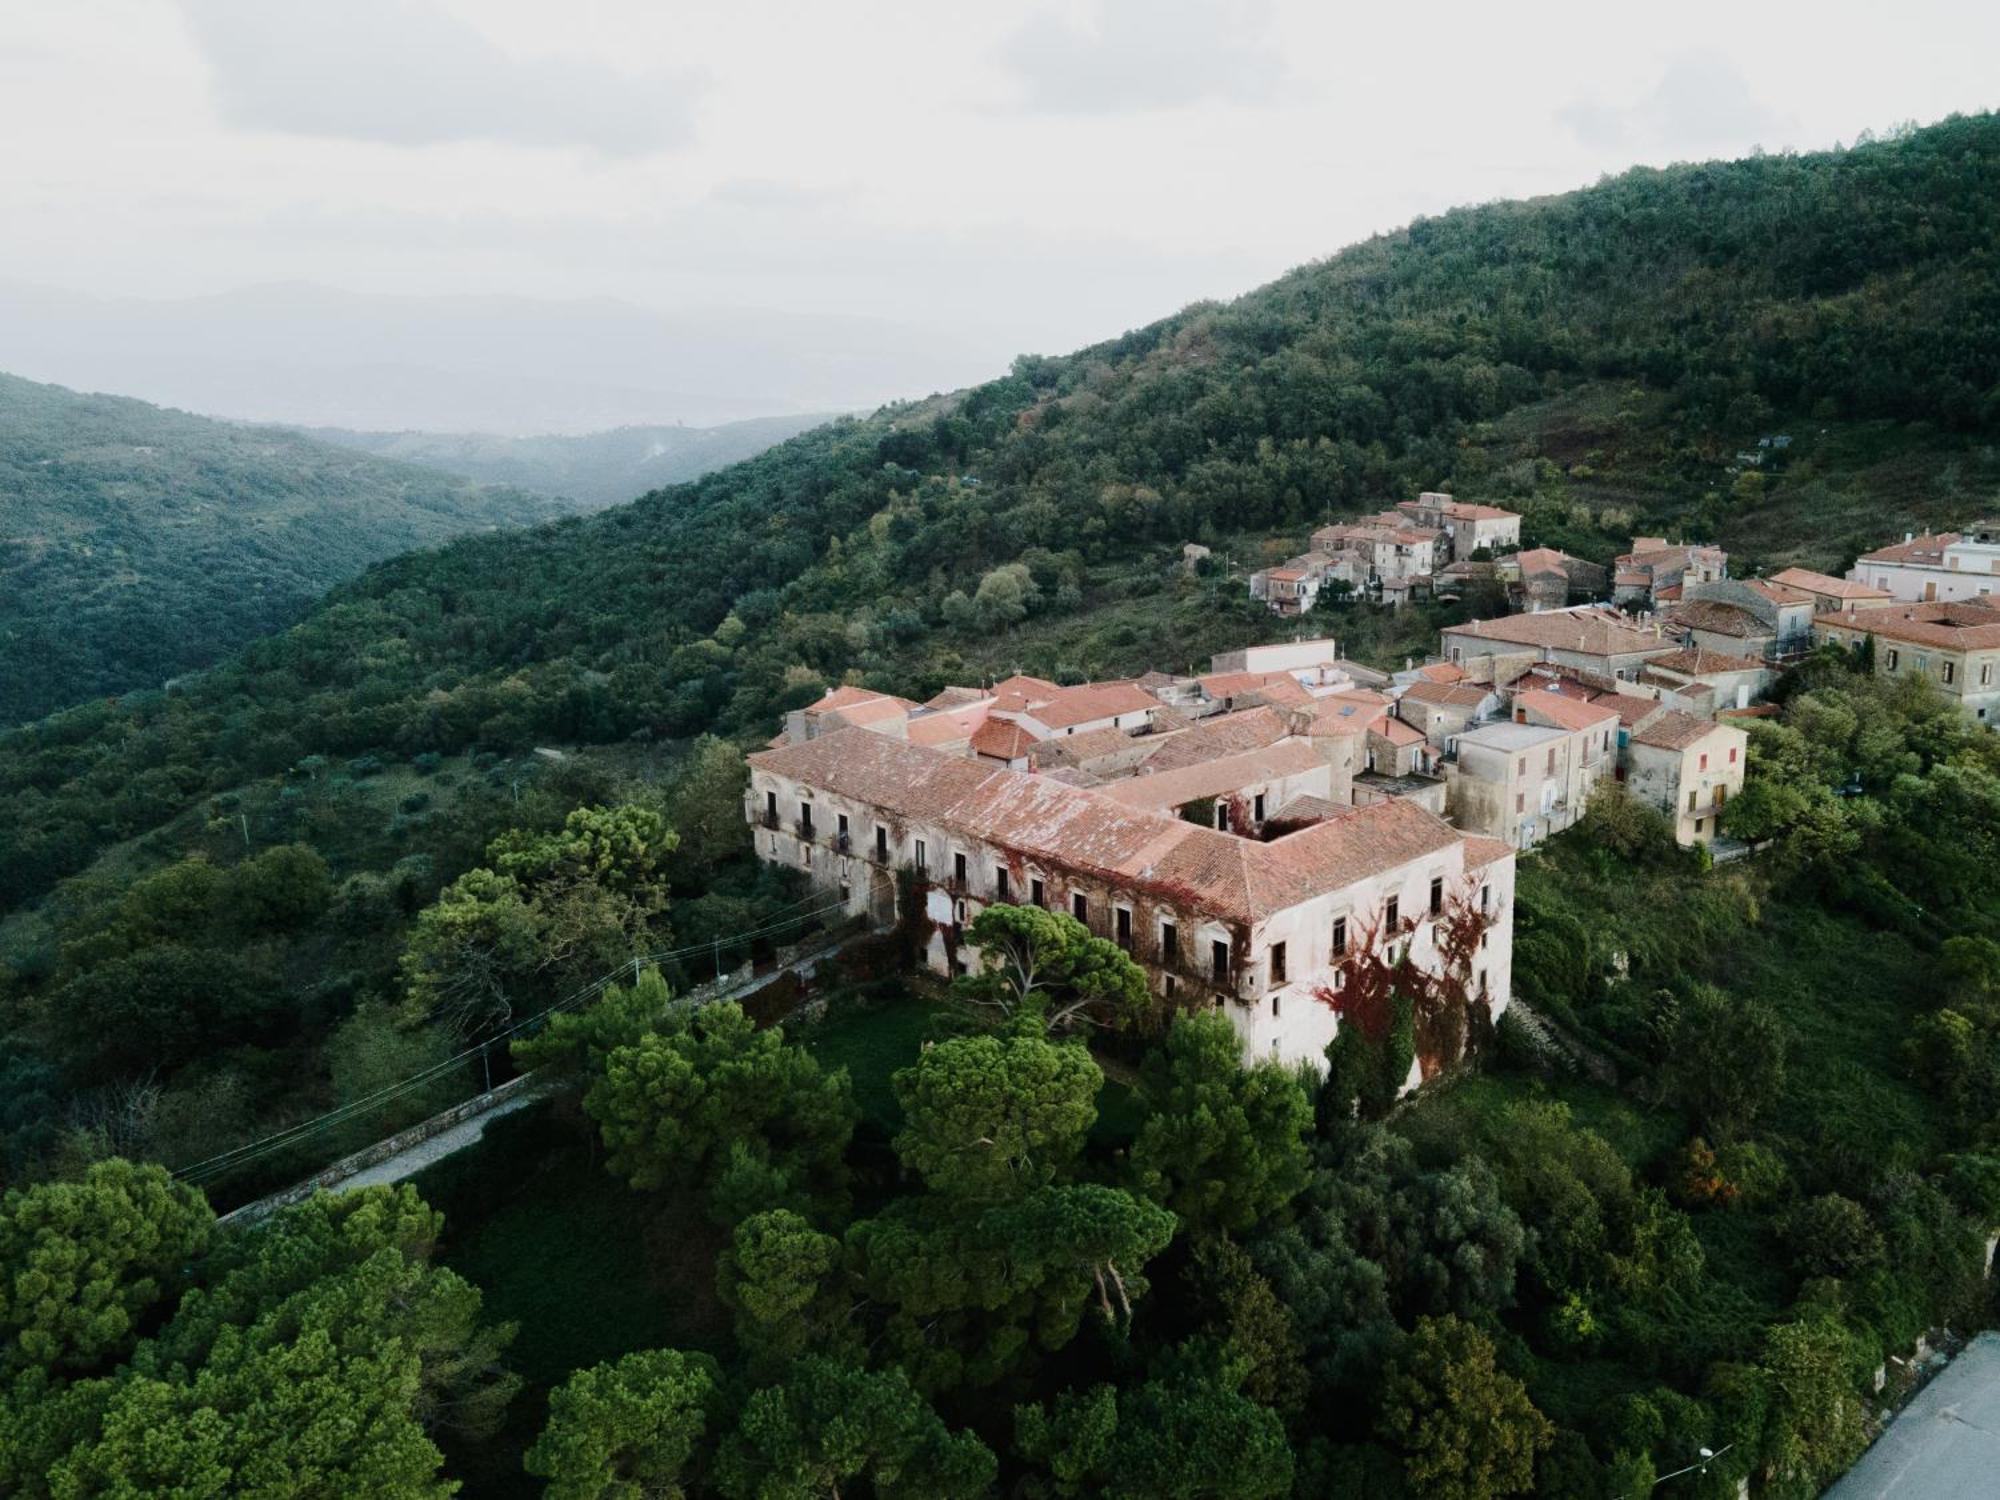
(137, 543)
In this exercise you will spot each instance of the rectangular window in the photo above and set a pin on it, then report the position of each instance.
(1257, 808)
(771, 808)
(1986, 674)
(846, 893)
(1691, 797)
(1552, 761)
(1339, 937)
(923, 856)
(1277, 963)
(1732, 755)
(1697, 824)
(1520, 802)
(881, 843)
(958, 868)
(1950, 669)
(1392, 914)
(1521, 766)
(1170, 942)
(841, 826)
(1892, 659)
(806, 819)
(1037, 892)
(1704, 762)
(1222, 816)
(1124, 926)
(1079, 907)
(1437, 894)
(1482, 983)
(1000, 883)
(1485, 898)
(1218, 960)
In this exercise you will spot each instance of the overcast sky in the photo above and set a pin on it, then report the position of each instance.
(1028, 176)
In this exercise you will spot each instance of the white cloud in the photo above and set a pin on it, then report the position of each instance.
(408, 73)
(1702, 101)
(1143, 54)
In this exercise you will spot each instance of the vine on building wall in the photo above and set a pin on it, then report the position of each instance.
(1441, 1007)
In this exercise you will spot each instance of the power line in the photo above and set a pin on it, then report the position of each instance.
(214, 1167)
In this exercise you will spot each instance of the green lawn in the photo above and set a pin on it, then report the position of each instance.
(872, 1038)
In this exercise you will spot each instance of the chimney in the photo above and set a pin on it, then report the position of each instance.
(1909, 536)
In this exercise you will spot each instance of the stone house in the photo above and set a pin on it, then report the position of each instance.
(1833, 596)
(1256, 929)
(1689, 768)
(1942, 568)
(1466, 528)
(1588, 638)
(1656, 572)
(1513, 782)
(1955, 646)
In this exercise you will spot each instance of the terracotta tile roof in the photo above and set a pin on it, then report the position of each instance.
(1674, 730)
(1002, 739)
(1696, 661)
(1754, 711)
(1441, 671)
(1285, 575)
(1229, 684)
(1944, 627)
(1927, 550)
(1198, 869)
(1632, 710)
(1564, 713)
(1718, 618)
(1306, 808)
(956, 697)
(1447, 695)
(1631, 578)
(1090, 700)
(1669, 595)
(1776, 592)
(1481, 851)
(851, 697)
(1397, 733)
(1458, 510)
(1588, 632)
(950, 727)
(1543, 560)
(1225, 734)
(1669, 554)
(1075, 749)
(1826, 584)
(1216, 778)
(1013, 694)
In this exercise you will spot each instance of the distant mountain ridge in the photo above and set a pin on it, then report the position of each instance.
(592, 469)
(137, 543)
(307, 356)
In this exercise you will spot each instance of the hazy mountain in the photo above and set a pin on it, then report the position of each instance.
(594, 469)
(314, 357)
(137, 543)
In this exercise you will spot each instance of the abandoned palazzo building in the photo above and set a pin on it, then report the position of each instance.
(1256, 924)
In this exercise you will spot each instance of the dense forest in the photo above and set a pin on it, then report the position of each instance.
(1758, 1158)
(138, 543)
(593, 469)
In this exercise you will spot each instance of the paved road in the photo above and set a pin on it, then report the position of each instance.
(409, 1162)
(413, 1159)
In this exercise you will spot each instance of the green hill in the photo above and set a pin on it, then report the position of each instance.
(1594, 358)
(1764, 1160)
(138, 543)
(594, 469)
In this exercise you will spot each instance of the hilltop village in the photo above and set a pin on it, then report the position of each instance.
(1258, 835)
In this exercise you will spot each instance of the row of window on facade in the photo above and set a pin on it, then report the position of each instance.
(1220, 955)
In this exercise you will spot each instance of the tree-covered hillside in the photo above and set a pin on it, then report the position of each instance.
(594, 469)
(1854, 294)
(138, 543)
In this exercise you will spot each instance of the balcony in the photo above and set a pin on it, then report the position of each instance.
(804, 828)
(843, 843)
(768, 819)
